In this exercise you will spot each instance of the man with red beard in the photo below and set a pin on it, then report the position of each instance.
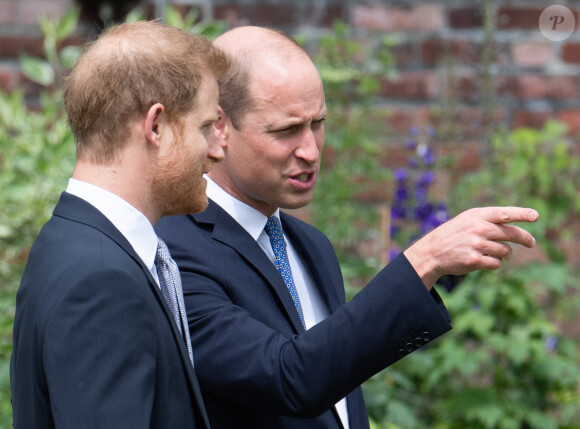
(276, 345)
(100, 332)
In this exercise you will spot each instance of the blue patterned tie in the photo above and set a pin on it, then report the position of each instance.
(170, 283)
(274, 231)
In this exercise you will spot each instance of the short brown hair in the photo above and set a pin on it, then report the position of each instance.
(127, 70)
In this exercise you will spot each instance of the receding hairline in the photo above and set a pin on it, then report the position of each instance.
(250, 45)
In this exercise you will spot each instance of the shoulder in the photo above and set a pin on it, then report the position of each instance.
(298, 229)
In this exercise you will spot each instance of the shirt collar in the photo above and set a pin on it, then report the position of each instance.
(248, 217)
(133, 224)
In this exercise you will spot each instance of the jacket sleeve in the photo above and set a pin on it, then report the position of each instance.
(100, 353)
(245, 351)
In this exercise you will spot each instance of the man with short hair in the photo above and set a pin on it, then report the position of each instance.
(276, 345)
(100, 332)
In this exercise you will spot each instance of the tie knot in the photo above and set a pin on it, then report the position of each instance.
(273, 228)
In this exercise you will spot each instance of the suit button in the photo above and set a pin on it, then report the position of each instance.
(426, 337)
(419, 342)
(409, 347)
(401, 353)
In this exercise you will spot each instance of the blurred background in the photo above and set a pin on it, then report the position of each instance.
(434, 107)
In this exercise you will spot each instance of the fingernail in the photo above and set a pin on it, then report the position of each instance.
(533, 215)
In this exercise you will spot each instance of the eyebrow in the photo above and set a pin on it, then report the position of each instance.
(292, 122)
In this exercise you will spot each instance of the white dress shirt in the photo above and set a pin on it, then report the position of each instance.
(133, 224)
(313, 306)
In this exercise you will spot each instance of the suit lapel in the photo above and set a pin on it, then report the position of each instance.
(78, 210)
(228, 231)
(317, 261)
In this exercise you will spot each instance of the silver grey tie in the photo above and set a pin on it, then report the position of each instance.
(170, 283)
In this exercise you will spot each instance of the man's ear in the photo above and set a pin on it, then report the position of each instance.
(222, 128)
(154, 123)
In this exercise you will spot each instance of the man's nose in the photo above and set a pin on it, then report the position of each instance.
(308, 148)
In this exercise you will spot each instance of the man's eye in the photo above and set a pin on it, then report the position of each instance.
(289, 130)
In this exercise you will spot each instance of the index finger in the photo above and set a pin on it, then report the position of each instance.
(509, 214)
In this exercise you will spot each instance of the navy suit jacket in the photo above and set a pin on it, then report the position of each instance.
(94, 343)
(256, 365)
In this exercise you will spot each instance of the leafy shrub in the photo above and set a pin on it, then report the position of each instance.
(507, 363)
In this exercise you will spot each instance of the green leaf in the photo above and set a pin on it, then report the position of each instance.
(67, 25)
(173, 18)
(136, 14)
(37, 70)
(69, 56)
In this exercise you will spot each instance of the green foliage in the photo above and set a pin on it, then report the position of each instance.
(503, 366)
(530, 168)
(48, 71)
(190, 22)
(351, 72)
(506, 364)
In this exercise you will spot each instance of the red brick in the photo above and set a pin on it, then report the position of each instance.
(563, 87)
(571, 117)
(31, 10)
(395, 155)
(530, 87)
(256, 14)
(416, 85)
(404, 55)
(467, 87)
(571, 53)
(8, 78)
(466, 156)
(518, 18)
(532, 54)
(13, 46)
(323, 16)
(467, 17)
(530, 119)
(536, 86)
(423, 17)
(464, 123)
(7, 12)
(399, 119)
(463, 51)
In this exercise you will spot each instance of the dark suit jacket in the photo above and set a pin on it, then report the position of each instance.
(94, 343)
(256, 366)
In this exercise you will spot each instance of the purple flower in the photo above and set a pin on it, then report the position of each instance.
(394, 252)
(400, 174)
(410, 144)
(401, 194)
(414, 130)
(431, 132)
(423, 210)
(551, 343)
(442, 214)
(398, 211)
(420, 193)
(426, 179)
(429, 157)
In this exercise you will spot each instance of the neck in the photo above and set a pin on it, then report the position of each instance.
(122, 181)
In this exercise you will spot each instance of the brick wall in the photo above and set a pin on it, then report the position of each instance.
(534, 79)
(441, 48)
